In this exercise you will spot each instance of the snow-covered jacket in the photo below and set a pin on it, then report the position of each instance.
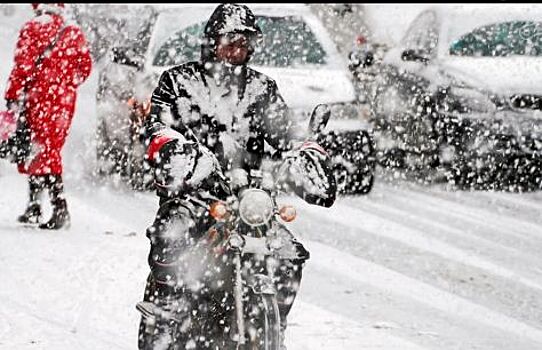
(231, 110)
(49, 89)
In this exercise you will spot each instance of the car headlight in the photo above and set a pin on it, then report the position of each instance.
(256, 207)
(472, 101)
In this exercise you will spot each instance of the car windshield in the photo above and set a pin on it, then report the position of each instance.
(287, 41)
(501, 39)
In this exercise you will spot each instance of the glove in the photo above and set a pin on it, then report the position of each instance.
(182, 167)
(311, 173)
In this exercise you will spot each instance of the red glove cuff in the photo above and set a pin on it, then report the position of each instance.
(314, 146)
(156, 145)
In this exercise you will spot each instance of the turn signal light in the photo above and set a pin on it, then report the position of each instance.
(143, 108)
(287, 213)
(219, 211)
(131, 102)
(146, 107)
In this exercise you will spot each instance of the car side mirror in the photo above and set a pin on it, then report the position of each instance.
(413, 55)
(319, 118)
(127, 56)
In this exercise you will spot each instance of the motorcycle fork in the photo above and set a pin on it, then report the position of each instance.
(238, 294)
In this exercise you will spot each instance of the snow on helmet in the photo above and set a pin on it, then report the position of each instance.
(229, 19)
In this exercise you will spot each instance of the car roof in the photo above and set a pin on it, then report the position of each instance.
(188, 14)
(460, 20)
(390, 22)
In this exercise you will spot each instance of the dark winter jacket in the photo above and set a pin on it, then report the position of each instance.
(190, 102)
(232, 110)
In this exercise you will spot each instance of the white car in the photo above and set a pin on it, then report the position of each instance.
(464, 90)
(296, 51)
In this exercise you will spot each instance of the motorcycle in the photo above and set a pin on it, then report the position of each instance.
(241, 253)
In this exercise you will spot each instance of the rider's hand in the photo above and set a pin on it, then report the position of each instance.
(310, 172)
(183, 166)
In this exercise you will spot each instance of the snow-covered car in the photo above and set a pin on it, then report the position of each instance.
(296, 51)
(462, 93)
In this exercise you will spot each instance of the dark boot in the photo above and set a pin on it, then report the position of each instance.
(60, 217)
(4, 149)
(32, 213)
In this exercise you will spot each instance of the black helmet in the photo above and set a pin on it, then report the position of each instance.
(229, 19)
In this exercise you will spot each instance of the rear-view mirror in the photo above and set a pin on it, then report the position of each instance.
(413, 55)
(319, 118)
(127, 56)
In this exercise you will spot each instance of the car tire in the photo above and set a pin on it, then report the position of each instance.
(359, 182)
(394, 158)
(365, 179)
(101, 157)
(354, 160)
(341, 178)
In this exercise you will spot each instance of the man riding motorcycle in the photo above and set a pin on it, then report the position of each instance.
(208, 118)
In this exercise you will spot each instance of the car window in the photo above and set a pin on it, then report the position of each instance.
(422, 35)
(183, 46)
(501, 39)
(287, 41)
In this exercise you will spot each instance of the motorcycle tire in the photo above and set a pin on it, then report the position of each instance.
(263, 323)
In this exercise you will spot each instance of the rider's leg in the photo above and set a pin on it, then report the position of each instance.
(289, 276)
(169, 236)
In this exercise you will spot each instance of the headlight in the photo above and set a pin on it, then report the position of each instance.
(256, 207)
(472, 100)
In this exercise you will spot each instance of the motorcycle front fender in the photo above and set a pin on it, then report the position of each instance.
(262, 284)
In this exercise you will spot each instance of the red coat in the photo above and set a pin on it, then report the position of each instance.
(51, 87)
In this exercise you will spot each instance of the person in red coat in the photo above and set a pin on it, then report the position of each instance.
(52, 59)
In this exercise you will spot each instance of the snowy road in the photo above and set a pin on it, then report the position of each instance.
(403, 268)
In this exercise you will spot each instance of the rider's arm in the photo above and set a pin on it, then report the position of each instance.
(181, 164)
(156, 133)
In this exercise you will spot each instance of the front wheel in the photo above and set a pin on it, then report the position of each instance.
(263, 323)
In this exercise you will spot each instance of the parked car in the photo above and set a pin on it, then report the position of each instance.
(296, 51)
(462, 94)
